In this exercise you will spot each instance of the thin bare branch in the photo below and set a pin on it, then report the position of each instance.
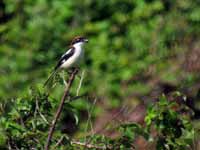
(38, 110)
(91, 146)
(89, 118)
(80, 83)
(59, 110)
(77, 97)
(59, 141)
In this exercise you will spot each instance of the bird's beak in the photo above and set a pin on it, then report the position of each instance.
(86, 40)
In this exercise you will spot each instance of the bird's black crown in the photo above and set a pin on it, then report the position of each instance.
(79, 39)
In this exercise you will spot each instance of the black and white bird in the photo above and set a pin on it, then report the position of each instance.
(72, 58)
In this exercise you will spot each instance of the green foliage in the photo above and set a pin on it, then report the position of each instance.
(22, 121)
(175, 130)
(132, 44)
(129, 133)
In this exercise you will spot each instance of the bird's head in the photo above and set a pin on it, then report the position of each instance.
(79, 40)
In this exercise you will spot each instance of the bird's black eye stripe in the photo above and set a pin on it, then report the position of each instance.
(77, 40)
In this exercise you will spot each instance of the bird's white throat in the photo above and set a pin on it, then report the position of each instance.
(78, 45)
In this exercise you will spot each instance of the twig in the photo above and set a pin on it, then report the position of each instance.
(113, 118)
(85, 145)
(77, 97)
(80, 83)
(38, 110)
(89, 118)
(91, 146)
(59, 141)
(9, 146)
(59, 110)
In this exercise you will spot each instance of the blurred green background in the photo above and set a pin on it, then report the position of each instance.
(137, 49)
(128, 39)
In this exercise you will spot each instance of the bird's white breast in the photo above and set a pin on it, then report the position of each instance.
(75, 59)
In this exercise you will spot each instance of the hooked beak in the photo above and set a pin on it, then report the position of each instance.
(86, 40)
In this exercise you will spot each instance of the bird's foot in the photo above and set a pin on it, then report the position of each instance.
(73, 70)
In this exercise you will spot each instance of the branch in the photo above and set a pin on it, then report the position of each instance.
(78, 97)
(83, 144)
(80, 83)
(59, 110)
(38, 110)
(91, 146)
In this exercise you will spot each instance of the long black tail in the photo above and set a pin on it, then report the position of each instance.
(50, 77)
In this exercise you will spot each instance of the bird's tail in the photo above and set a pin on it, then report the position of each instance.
(50, 77)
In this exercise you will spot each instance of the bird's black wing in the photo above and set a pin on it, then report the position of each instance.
(65, 57)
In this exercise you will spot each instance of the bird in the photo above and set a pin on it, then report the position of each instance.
(71, 58)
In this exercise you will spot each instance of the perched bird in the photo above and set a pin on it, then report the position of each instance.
(71, 58)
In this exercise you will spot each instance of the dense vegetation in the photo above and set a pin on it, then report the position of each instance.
(137, 51)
